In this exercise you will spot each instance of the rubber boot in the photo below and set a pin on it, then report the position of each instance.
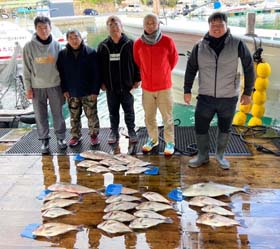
(45, 148)
(222, 141)
(202, 142)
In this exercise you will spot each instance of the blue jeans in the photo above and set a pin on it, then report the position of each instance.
(208, 106)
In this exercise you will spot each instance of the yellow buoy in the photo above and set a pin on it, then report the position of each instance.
(239, 118)
(258, 110)
(261, 84)
(259, 97)
(263, 70)
(245, 108)
(254, 121)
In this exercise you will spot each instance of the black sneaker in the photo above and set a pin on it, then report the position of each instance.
(45, 148)
(113, 137)
(61, 144)
(132, 136)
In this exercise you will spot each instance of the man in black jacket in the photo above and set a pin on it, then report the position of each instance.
(119, 74)
(79, 73)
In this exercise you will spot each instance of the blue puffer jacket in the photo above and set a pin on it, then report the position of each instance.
(79, 75)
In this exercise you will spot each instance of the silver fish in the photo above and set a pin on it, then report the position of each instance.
(98, 169)
(122, 197)
(125, 158)
(53, 229)
(142, 223)
(149, 214)
(58, 203)
(111, 161)
(211, 189)
(73, 188)
(120, 206)
(138, 164)
(96, 155)
(201, 201)
(153, 206)
(153, 196)
(129, 191)
(55, 212)
(87, 163)
(216, 220)
(59, 195)
(136, 170)
(113, 226)
(217, 210)
(118, 168)
(119, 216)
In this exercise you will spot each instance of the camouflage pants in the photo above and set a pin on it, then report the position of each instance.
(90, 109)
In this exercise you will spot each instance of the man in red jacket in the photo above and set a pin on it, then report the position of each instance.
(156, 55)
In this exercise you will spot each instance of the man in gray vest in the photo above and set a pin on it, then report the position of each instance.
(215, 58)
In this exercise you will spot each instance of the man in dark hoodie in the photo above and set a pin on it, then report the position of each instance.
(78, 69)
(119, 74)
(42, 82)
(216, 58)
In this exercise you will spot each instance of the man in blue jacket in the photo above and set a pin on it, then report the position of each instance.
(216, 58)
(78, 69)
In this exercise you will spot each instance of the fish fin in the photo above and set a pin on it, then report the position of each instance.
(242, 223)
(168, 220)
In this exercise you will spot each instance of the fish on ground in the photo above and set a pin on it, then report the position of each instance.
(153, 206)
(142, 223)
(96, 155)
(216, 220)
(54, 229)
(98, 169)
(59, 195)
(69, 187)
(201, 201)
(111, 161)
(121, 197)
(217, 210)
(153, 196)
(87, 163)
(120, 206)
(119, 216)
(211, 189)
(149, 214)
(129, 191)
(58, 203)
(118, 168)
(136, 170)
(113, 226)
(56, 212)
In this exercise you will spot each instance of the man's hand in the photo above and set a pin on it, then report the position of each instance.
(66, 95)
(188, 98)
(29, 94)
(93, 97)
(136, 84)
(245, 100)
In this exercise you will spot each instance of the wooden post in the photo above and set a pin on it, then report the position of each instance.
(250, 23)
(156, 6)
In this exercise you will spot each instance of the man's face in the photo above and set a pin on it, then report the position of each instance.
(74, 40)
(43, 30)
(217, 28)
(114, 28)
(151, 25)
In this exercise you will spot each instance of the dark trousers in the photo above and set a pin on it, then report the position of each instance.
(126, 100)
(208, 106)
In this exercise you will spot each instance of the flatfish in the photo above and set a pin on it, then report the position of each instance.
(201, 201)
(87, 163)
(136, 170)
(118, 168)
(217, 210)
(98, 169)
(153, 196)
(111, 161)
(211, 189)
(113, 226)
(143, 223)
(59, 195)
(119, 216)
(56, 212)
(149, 214)
(96, 155)
(216, 220)
(129, 191)
(54, 229)
(69, 187)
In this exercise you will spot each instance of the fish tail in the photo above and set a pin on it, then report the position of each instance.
(242, 223)
(168, 220)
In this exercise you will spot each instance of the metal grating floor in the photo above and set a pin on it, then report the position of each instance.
(4, 131)
(184, 137)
